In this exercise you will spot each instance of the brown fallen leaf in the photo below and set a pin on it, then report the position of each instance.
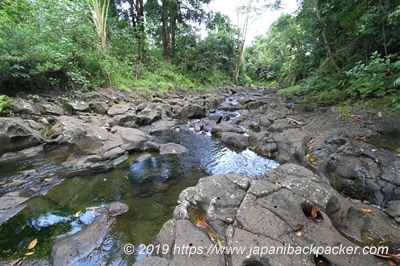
(17, 262)
(374, 150)
(391, 263)
(314, 212)
(299, 233)
(380, 114)
(358, 117)
(29, 253)
(366, 210)
(33, 243)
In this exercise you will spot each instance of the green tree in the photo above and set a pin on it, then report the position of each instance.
(247, 11)
(176, 17)
(99, 16)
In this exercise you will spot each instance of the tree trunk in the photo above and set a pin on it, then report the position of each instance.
(165, 32)
(141, 31)
(325, 39)
(238, 62)
(383, 28)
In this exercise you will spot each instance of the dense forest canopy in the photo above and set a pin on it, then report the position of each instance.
(329, 50)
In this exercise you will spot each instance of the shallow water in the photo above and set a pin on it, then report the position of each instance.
(148, 182)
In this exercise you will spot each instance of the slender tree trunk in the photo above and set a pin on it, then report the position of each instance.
(99, 15)
(238, 61)
(141, 30)
(165, 32)
(325, 39)
(383, 28)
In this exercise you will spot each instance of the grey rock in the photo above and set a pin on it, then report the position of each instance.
(52, 108)
(80, 106)
(191, 112)
(118, 109)
(70, 249)
(235, 139)
(15, 135)
(393, 208)
(133, 139)
(270, 214)
(10, 205)
(172, 148)
(22, 106)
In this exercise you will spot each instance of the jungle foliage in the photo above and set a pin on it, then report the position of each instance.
(333, 51)
(328, 51)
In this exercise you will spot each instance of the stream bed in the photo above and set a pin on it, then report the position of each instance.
(149, 183)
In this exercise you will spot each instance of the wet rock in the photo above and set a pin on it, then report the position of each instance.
(71, 249)
(235, 139)
(269, 214)
(10, 205)
(15, 135)
(172, 148)
(227, 128)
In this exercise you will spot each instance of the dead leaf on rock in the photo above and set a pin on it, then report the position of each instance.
(299, 233)
(17, 262)
(358, 117)
(33, 243)
(374, 150)
(29, 253)
(314, 212)
(366, 210)
(380, 114)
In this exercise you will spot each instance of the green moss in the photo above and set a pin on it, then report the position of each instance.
(337, 180)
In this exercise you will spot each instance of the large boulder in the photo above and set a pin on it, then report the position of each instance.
(15, 135)
(133, 139)
(22, 106)
(91, 146)
(191, 112)
(235, 139)
(270, 221)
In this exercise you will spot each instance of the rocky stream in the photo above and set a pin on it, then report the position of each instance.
(84, 177)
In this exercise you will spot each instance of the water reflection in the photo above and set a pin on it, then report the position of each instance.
(149, 183)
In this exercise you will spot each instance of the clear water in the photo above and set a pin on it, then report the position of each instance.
(148, 182)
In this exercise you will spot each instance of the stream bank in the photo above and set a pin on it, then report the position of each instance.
(99, 129)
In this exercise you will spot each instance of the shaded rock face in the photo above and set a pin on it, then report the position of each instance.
(16, 134)
(268, 213)
(359, 170)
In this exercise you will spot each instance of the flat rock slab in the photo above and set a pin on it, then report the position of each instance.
(71, 249)
(271, 213)
(10, 205)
